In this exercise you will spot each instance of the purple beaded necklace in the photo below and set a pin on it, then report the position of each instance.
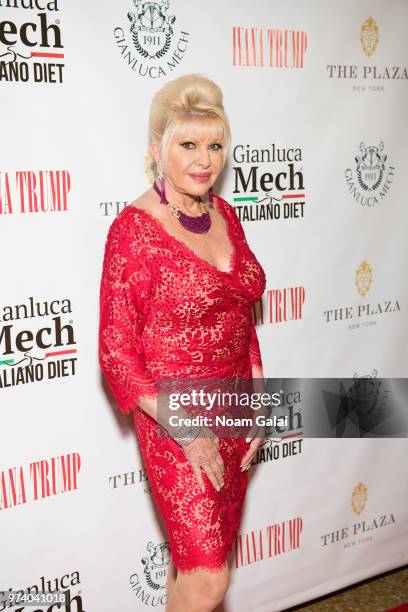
(198, 225)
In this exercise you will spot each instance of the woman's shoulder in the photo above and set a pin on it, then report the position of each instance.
(127, 229)
(128, 215)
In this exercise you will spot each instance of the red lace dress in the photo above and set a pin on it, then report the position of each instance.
(165, 311)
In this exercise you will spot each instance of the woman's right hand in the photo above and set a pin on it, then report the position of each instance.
(204, 453)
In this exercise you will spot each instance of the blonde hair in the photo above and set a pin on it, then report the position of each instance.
(189, 99)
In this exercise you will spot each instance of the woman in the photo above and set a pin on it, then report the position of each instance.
(177, 288)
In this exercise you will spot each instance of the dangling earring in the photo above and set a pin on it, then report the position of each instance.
(210, 196)
(162, 188)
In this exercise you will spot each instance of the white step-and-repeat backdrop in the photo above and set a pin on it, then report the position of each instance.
(316, 93)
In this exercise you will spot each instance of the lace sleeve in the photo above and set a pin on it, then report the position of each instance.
(124, 293)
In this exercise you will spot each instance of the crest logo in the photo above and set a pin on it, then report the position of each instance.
(151, 24)
(155, 569)
(371, 180)
(150, 588)
(364, 278)
(359, 498)
(369, 36)
(370, 166)
(151, 47)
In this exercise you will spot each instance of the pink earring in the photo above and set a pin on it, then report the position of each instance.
(210, 195)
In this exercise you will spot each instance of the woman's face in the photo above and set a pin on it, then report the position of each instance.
(194, 162)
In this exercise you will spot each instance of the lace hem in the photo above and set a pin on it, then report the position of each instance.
(192, 570)
(255, 359)
(131, 404)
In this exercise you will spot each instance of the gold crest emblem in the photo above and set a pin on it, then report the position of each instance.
(369, 36)
(359, 498)
(364, 278)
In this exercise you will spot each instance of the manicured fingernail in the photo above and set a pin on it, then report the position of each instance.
(247, 439)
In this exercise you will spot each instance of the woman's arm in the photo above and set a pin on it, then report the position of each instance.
(124, 293)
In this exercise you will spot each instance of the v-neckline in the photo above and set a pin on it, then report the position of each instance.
(233, 262)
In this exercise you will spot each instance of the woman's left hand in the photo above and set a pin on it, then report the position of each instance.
(257, 432)
(253, 447)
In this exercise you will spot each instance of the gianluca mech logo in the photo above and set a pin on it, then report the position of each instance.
(370, 181)
(150, 44)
